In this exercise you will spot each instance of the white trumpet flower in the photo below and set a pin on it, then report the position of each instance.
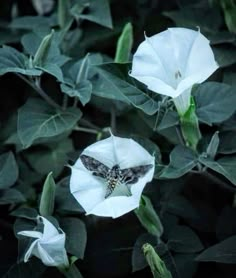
(48, 246)
(171, 62)
(110, 175)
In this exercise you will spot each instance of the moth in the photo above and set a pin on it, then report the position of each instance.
(115, 175)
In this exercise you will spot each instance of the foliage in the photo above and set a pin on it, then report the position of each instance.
(64, 75)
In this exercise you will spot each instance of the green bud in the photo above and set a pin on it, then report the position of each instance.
(46, 206)
(42, 52)
(124, 44)
(157, 266)
(148, 217)
(190, 127)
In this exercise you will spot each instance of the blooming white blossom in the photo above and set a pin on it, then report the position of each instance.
(110, 175)
(48, 246)
(171, 62)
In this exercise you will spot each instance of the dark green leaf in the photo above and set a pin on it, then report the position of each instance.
(227, 142)
(11, 60)
(11, 196)
(223, 252)
(25, 212)
(46, 206)
(182, 160)
(51, 158)
(8, 170)
(229, 9)
(182, 239)
(224, 166)
(225, 56)
(36, 119)
(98, 12)
(31, 22)
(215, 102)
(34, 268)
(189, 17)
(112, 84)
(82, 91)
(65, 202)
(76, 236)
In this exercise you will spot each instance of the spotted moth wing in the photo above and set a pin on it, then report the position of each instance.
(95, 166)
(132, 175)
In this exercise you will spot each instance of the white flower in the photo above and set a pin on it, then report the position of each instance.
(102, 181)
(48, 246)
(171, 62)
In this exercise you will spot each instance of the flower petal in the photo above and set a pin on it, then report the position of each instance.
(87, 189)
(49, 230)
(172, 61)
(103, 151)
(115, 206)
(131, 154)
(33, 234)
(200, 59)
(30, 251)
(52, 252)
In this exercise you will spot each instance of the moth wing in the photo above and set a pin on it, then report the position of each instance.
(131, 175)
(95, 166)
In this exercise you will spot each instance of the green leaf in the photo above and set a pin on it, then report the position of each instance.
(53, 157)
(111, 83)
(215, 102)
(98, 12)
(11, 60)
(76, 236)
(52, 69)
(82, 91)
(157, 266)
(229, 9)
(36, 119)
(182, 160)
(25, 212)
(223, 252)
(32, 22)
(8, 170)
(65, 202)
(11, 196)
(225, 55)
(227, 142)
(124, 44)
(148, 217)
(182, 239)
(34, 268)
(189, 17)
(225, 166)
(46, 206)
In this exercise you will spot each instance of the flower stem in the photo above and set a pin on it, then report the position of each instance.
(72, 272)
(85, 129)
(113, 119)
(36, 86)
